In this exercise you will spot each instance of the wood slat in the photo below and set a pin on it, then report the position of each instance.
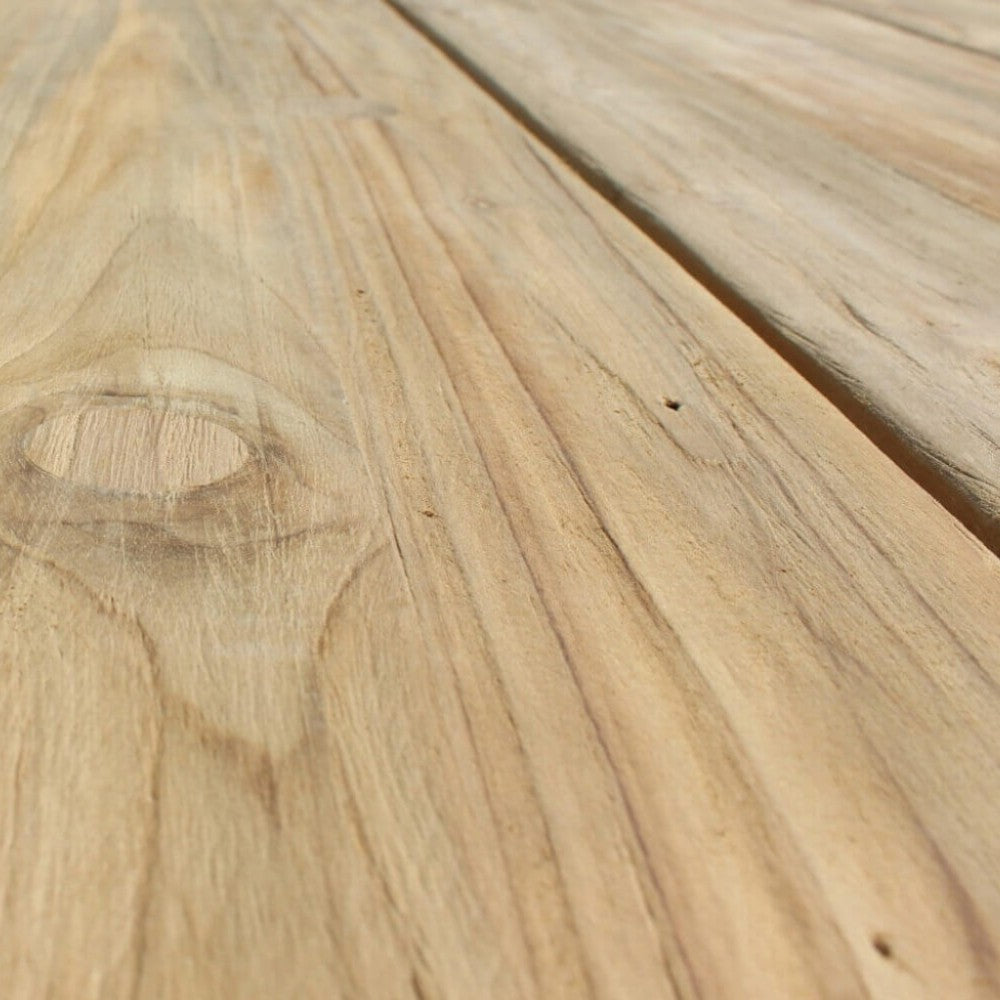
(496, 615)
(832, 179)
(971, 24)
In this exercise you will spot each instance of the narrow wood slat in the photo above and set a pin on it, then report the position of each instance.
(495, 616)
(833, 179)
(971, 24)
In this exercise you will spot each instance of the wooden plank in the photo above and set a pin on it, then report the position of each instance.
(830, 178)
(493, 615)
(971, 24)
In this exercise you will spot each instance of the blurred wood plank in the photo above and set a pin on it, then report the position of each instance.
(971, 24)
(832, 179)
(414, 584)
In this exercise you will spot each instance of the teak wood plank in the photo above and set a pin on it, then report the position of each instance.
(832, 179)
(971, 24)
(413, 584)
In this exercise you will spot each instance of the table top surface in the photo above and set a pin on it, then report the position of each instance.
(500, 499)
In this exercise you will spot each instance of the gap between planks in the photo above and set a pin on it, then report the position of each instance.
(898, 447)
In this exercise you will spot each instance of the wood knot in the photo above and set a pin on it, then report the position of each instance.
(137, 446)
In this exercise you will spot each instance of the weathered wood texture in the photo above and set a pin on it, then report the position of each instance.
(435, 651)
(833, 177)
(971, 24)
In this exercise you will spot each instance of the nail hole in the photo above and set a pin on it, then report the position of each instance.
(672, 404)
(882, 946)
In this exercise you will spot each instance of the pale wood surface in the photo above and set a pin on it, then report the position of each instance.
(834, 175)
(437, 652)
(972, 24)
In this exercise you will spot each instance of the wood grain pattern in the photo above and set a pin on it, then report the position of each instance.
(832, 179)
(518, 626)
(970, 24)
(137, 448)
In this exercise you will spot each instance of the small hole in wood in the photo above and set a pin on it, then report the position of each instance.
(882, 946)
(672, 404)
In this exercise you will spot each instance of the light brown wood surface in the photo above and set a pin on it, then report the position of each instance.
(970, 24)
(413, 584)
(833, 179)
